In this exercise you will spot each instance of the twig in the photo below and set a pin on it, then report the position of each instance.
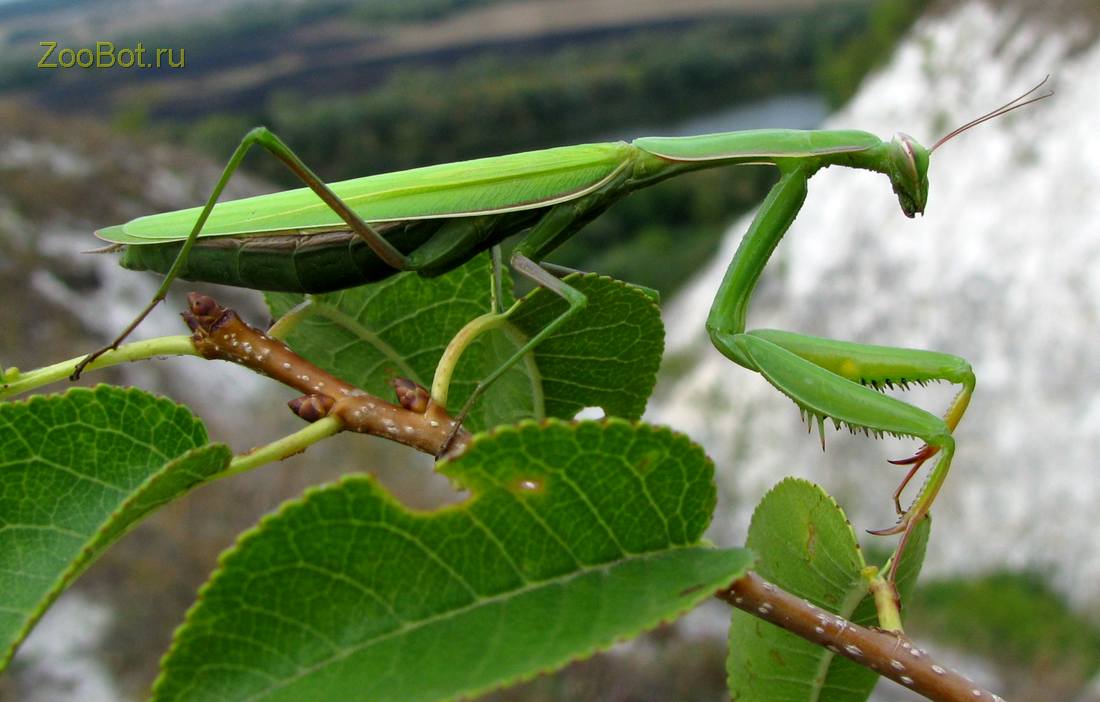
(219, 333)
(890, 654)
(14, 382)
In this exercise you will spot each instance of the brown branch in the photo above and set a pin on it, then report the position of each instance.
(219, 333)
(889, 654)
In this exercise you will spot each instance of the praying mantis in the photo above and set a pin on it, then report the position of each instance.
(430, 220)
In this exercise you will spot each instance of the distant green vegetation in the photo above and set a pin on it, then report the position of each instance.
(246, 21)
(535, 97)
(504, 101)
(17, 8)
(844, 64)
(530, 97)
(1015, 620)
(470, 101)
(415, 9)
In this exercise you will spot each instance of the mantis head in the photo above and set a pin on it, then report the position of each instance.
(908, 171)
(908, 161)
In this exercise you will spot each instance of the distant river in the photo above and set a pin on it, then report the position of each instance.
(791, 111)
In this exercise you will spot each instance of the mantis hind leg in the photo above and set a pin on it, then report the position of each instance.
(576, 300)
(260, 136)
(555, 226)
(837, 380)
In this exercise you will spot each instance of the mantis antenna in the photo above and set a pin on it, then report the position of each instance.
(1003, 109)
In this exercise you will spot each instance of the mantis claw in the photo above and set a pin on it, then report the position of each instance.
(904, 527)
(916, 461)
(456, 426)
(923, 454)
(890, 531)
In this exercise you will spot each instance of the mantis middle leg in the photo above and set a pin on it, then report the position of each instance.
(830, 379)
(560, 222)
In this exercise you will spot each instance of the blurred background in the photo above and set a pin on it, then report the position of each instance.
(1003, 270)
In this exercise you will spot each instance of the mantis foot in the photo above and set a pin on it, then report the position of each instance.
(923, 454)
(915, 461)
(890, 531)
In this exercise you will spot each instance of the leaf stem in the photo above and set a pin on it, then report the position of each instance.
(13, 382)
(285, 447)
(284, 325)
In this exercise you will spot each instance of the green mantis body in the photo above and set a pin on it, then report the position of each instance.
(432, 219)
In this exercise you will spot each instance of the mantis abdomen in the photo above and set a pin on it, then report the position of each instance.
(329, 260)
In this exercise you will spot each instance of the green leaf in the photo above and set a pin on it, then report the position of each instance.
(399, 327)
(575, 536)
(607, 356)
(807, 547)
(76, 472)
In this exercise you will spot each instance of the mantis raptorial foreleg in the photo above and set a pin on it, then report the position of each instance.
(829, 379)
(576, 301)
(260, 136)
(885, 367)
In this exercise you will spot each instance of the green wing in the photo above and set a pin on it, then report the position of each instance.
(466, 188)
(758, 143)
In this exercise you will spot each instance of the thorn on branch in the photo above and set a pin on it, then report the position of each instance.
(311, 407)
(412, 396)
(218, 333)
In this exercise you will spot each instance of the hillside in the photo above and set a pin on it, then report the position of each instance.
(238, 58)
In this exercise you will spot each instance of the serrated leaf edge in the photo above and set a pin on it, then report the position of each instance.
(524, 426)
(527, 425)
(793, 480)
(689, 604)
(650, 380)
(847, 606)
(85, 558)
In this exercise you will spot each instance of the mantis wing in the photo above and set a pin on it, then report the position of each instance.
(483, 186)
